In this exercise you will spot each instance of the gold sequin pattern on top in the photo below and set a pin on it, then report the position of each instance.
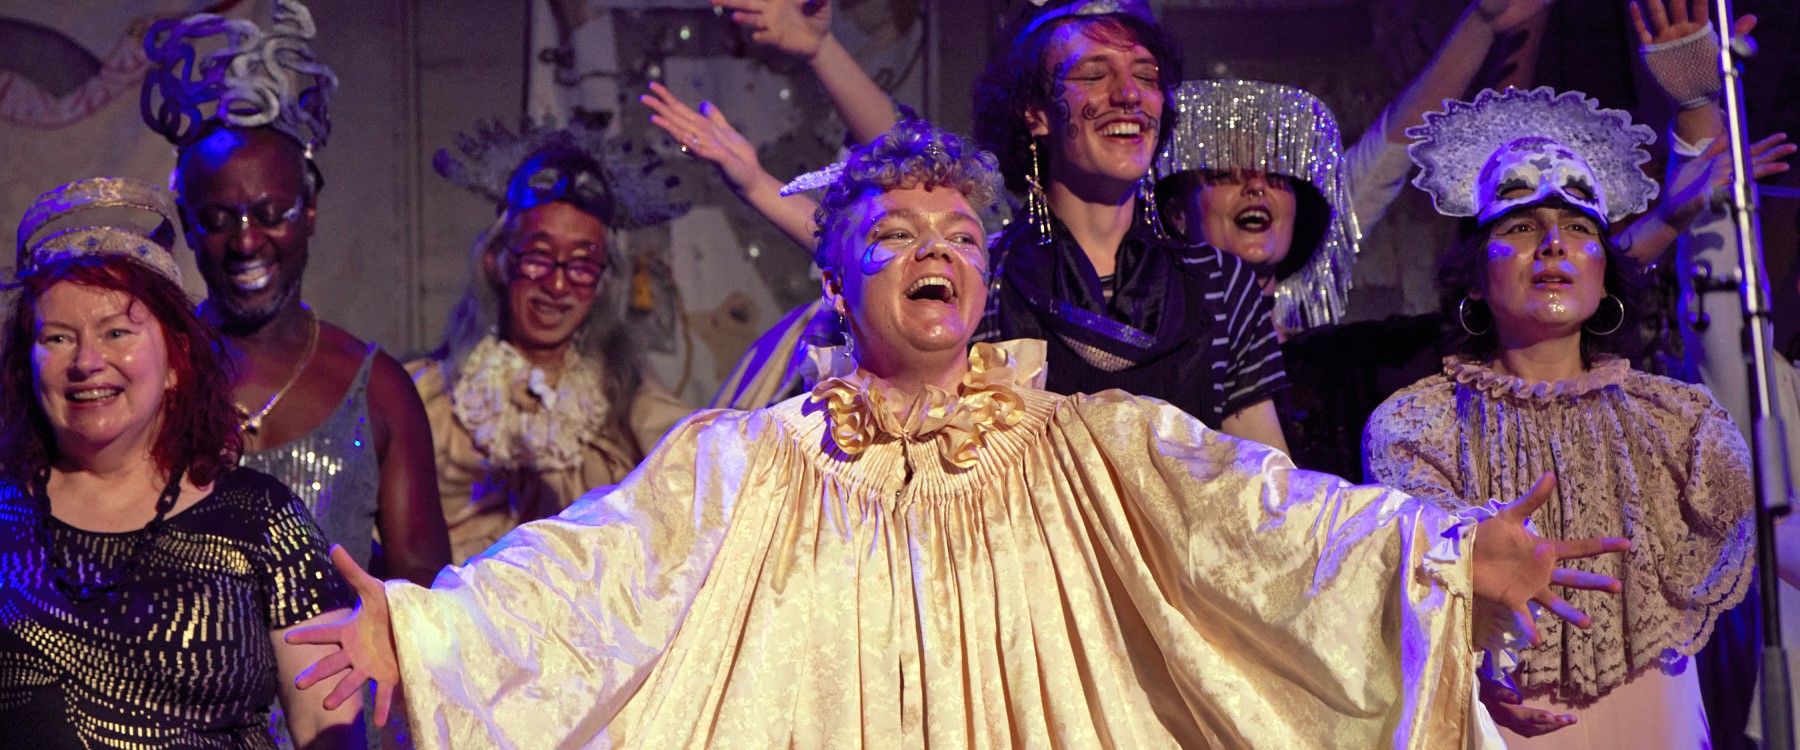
(179, 656)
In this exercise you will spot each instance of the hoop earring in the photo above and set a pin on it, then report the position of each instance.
(1147, 197)
(1618, 321)
(1037, 202)
(1462, 319)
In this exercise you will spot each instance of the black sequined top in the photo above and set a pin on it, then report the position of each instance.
(179, 655)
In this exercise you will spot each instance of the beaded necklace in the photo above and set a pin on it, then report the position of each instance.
(60, 575)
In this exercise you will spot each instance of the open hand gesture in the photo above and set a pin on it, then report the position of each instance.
(1705, 177)
(797, 27)
(1669, 20)
(705, 134)
(1514, 566)
(364, 639)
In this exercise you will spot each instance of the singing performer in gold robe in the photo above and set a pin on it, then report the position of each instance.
(930, 550)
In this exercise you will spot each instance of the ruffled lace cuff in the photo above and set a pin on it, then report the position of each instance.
(1495, 630)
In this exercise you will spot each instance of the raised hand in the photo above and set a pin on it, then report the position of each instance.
(1669, 20)
(1514, 566)
(797, 27)
(1704, 177)
(364, 639)
(706, 134)
(1504, 705)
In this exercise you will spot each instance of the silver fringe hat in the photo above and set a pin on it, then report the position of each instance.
(258, 77)
(152, 247)
(636, 180)
(1269, 127)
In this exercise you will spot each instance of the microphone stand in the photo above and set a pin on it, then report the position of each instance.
(1769, 468)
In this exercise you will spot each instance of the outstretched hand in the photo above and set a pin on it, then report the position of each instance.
(364, 639)
(1514, 567)
(1705, 177)
(797, 27)
(705, 134)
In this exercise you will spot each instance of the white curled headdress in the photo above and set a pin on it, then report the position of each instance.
(41, 241)
(1553, 145)
(257, 77)
(1268, 127)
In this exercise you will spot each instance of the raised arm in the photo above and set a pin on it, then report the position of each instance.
(1376, 165)
(1675, 37)
(707, 135)
(1458, 60)
(415, 542)
(802, 28)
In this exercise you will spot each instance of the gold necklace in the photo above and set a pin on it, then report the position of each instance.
(253, 422)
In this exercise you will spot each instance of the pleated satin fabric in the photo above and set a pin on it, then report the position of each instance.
(1109, 573)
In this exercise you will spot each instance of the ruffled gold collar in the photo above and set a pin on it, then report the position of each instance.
(1606, 372)
(861, 408)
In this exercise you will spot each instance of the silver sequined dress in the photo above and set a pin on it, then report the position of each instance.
(334, 469)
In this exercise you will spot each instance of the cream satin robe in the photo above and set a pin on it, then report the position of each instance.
(1000, 567)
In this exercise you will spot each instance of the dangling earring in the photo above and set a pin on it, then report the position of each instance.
(1037, 202)
(1147, 197)
(849, 340)
(1619, 321)
(1462, 318)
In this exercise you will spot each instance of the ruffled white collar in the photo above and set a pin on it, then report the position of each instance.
(514, 416)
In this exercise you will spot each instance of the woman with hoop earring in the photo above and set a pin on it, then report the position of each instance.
(1545, 304)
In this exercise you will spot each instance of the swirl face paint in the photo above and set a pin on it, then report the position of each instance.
(1107, 106)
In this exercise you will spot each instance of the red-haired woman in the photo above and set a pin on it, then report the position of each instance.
(145, 581)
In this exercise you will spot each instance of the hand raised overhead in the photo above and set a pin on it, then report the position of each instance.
(1513, 566)
(365, 643)
(707, 135)
(797, 27)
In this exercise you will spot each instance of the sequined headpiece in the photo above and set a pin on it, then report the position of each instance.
(1556, 146)
(619, 183)
(1268, 127)
(254, 80)
(153, 248)
(1041, 12)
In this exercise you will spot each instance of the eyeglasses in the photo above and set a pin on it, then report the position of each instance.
(582, 272)
(267, 214)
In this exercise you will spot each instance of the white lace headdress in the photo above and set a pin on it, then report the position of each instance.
(1472, 152)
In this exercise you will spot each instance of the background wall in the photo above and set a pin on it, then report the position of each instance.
(391, 255)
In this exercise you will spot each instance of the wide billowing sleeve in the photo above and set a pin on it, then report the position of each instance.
(1710, 566)
(1410, 443)
(540, 640)
(1292, 609)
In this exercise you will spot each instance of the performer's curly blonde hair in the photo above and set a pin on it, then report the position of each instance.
(914, 154)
